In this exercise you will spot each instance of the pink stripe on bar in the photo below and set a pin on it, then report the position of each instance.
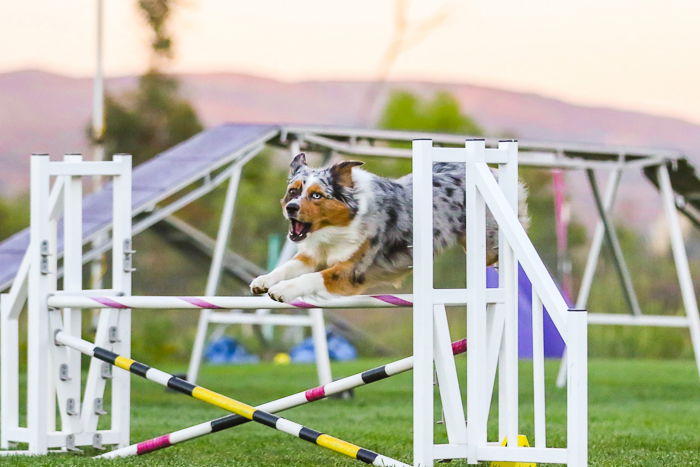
(200, 303)
(300, 304)
(315, 393)
(392, 300)
(109, 303)
(153, 444)
(459, 347)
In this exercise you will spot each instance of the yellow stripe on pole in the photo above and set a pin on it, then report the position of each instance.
(223, 402)
(337, 445)
(123, 362)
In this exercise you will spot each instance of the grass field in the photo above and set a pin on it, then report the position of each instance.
(642, 413)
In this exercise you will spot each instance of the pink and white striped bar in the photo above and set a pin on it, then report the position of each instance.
(257, 302)
(442, 296)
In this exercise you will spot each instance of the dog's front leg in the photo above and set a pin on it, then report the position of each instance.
(300, 264)
(340, 279)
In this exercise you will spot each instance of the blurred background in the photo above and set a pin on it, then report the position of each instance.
(618, 73)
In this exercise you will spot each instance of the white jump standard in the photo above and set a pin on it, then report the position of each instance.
(295, 400)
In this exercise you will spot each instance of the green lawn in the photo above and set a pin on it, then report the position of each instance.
(641, 412)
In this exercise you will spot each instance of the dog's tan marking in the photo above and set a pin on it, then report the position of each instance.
(323, 212)
(306, 259)
(296, 184)
(342, 278)
(491, 254)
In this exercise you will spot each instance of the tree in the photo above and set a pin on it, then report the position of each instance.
(155, 116)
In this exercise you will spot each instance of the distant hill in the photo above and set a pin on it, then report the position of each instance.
(44, 112)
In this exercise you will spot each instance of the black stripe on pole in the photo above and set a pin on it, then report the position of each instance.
(181, 385)
(229, 421)
(375, 374)
(366, 456)
(307, 434)
(104, 355)
(139, 369)
(265, 418)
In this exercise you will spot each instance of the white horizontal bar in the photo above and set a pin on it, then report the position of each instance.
(457, 155)
(460, 296)
(86, 168)
(506, 454)
(247, 318)
(212, 302)
(643, 320)
(17, 434)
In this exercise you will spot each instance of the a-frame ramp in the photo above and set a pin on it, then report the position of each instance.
(163, 176)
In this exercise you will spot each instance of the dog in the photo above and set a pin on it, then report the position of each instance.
(353, 229)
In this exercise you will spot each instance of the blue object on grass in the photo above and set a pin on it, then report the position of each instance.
(339, 348)
(226, 349)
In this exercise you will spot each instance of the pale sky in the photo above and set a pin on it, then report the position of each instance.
(631, 54)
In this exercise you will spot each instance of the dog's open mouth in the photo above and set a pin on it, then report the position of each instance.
(298, 230)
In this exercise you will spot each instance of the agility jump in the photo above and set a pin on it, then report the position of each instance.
(54, 386)
(295, 400)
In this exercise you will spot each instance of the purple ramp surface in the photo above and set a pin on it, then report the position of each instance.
(553, 343)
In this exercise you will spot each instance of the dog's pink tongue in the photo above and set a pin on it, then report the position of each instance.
(297, 228)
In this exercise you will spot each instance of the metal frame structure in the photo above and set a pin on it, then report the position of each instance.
(55, 341)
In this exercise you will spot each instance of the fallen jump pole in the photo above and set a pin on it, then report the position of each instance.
(239, 408)
(278, 405)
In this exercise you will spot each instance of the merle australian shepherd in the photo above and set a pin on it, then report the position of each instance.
(354, 229)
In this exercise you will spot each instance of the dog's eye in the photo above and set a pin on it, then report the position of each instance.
(293, 192)
(316, 195)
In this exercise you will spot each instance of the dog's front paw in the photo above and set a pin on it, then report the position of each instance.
(261, 284)
(286, 291)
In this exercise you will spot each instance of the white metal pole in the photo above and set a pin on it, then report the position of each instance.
(592, 261)
(72, 282)
(577, 389)
(422, 306)
(38, 370)
(318, 333)
(122, 256)
(680, 258)
(539, 406)
(508, 279)
(215, 269)
(476, 307)
(9, 372)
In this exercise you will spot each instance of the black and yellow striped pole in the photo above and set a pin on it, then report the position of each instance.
(210, 397)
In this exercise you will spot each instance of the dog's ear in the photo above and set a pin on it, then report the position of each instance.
(298, 162)
(342, 172)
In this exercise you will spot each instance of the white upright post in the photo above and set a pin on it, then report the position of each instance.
(592, 260)
(476, 308)
(577, 388)
(122, 255)
(38, 371)
(72, 282)
(538, 371)
(508, 280)
(685, 280)
(422, 303)
(318, 333)
(215, 269)
(9, 376)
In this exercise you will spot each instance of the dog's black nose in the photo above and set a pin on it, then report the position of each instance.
(292, 209)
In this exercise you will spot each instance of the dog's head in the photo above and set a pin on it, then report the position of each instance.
(318, 198)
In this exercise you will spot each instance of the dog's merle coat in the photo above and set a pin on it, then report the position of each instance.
(354, 228)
